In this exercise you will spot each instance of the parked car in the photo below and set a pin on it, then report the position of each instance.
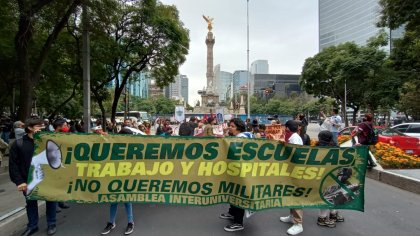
(410, 129)
(346, 131)
(409, 144)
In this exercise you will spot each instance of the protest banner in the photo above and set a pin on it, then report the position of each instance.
(254, 174)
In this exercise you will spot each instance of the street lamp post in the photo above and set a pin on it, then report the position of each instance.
(345, 103)
(247, 59)
(86, 71)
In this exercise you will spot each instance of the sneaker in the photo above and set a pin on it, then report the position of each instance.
(324, 221)
(29, 232)
(108, 228)
(51, 230)
(295, 229)
(129, 229)
(226, 216)
(234, 227)
(249, 213)
(63, 205)
(287, 219)
(336, 217)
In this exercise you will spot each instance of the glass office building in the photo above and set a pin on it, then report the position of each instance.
(343, 21)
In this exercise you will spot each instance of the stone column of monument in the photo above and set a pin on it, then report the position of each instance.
(210, 98)
(242, 105)
(210, 40)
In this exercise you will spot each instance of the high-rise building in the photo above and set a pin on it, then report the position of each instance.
(140, 86)
(222, 80)
(184, 88)
(259, 67)
(343, 21)
(178, 89)
(276, 84)
(240, 80)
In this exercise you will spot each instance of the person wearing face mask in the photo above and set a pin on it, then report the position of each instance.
(61, 126)
(19, 129)
(21, 153)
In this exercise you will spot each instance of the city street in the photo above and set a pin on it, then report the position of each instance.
(389, 211)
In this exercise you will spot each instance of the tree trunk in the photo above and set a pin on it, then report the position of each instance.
(28, 76)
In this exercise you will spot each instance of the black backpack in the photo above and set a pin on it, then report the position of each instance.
(372, 135)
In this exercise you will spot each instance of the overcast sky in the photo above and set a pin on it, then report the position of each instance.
(284, 32)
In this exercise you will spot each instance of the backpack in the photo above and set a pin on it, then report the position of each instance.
(372, 135)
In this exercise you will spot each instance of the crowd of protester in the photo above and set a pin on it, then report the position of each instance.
(21, 155)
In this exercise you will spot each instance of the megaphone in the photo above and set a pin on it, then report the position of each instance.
(50, 156)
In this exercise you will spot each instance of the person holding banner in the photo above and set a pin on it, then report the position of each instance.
(296, 215)
(60, 126)
(114, 207)
(236, 128)
(327, 217)
(20, 161)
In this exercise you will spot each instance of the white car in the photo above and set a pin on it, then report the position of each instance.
(410, 129)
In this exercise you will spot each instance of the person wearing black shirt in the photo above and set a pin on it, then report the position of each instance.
(20, 161)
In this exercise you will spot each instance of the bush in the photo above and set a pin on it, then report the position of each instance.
(392, 157)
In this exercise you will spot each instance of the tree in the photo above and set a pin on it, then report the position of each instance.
(8, 26)
(164, 105)
(405, 53)
(39, 25)
(395, 13)
(358, 68)
(131, 37)
(409, 102)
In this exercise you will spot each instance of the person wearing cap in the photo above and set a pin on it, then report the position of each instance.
(296, 215)
(21, 153)
(208, 128)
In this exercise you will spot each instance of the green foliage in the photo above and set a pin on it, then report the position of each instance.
(405, 54)
(362, 69)
(131, 37)
(409, 102)
(395, 13)
(164, 105)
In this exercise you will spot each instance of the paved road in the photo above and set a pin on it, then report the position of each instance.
(389, 212)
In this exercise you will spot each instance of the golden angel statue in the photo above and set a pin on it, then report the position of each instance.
(209, 22)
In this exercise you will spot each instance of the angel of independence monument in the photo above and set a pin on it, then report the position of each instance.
(209, 98)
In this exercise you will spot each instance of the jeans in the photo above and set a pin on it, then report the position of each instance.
(5, 136)
(128, 211)
(32, 213)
